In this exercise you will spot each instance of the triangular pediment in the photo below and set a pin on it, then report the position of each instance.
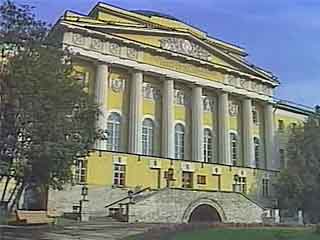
(167, 34)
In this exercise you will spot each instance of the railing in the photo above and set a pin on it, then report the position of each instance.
(127, 197)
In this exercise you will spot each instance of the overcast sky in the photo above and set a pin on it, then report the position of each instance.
(279, 35)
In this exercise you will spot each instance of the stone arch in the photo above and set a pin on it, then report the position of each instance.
(204, 204)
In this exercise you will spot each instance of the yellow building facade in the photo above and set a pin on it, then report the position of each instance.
(179, 109)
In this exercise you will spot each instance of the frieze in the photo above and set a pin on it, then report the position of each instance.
(233, 109)
(132, 53)
(208, 104)
(78, 39)
(151, 92)
(96, 44)
(114, 48)
(231, 80)
(185, 47)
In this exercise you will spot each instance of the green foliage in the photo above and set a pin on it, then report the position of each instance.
(48, 120)
(298, 185)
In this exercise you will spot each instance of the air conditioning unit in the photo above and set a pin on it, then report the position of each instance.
(117, 159)
(187, 166)
(155, 163)
(216, 170)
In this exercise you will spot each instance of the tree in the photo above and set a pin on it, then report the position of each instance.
(298, 185)
(48, 120)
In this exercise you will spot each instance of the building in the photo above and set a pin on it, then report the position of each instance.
(188, 121)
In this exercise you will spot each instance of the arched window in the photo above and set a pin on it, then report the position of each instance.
(147, 137)
(256, 142)
(113, 130)
(234, 148)
(207, 145)
(179, 141)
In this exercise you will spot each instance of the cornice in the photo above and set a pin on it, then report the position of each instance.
(172, 54)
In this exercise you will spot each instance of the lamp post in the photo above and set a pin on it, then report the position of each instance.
(84, 204)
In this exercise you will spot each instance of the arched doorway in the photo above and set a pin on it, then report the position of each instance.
(204, 213)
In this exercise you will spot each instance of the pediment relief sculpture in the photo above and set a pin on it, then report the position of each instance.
(185, 46)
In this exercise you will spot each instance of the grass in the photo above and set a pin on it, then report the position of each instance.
(237, 234)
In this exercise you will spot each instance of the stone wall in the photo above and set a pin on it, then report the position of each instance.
(176, 206)
(99, 197)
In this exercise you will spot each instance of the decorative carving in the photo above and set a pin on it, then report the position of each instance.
(151, 92)
(185, 47)
(233, 109)
(96, 44)
(208, 104)
(230, 79)
(132, 53)
(78, 39)
(179, 97)
(114, 48)
(244, 83)
(117, 84)
(256, 86)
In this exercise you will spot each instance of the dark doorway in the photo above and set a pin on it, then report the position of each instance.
(204, 213)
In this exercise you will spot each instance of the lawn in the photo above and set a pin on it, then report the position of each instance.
(238, 234)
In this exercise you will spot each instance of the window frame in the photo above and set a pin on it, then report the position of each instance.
(179, 141)
(187, 179)
(113, 142)
(148, 137)
(234, 147)
(257, 151)
(207, 145)
(119, 175)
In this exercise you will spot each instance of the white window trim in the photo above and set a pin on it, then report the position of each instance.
(184, 140)
(113, 147)
(149, 144)
(237, 145)
(208, 148)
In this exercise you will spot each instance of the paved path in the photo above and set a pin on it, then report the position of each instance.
(90, 231)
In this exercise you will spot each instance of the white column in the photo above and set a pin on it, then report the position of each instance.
(167, 141)
(269, 136)
(101, 94)
(135, 112)
(197, 124)
(223, 129)
(247, 129)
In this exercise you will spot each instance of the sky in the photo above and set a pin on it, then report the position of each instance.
(281, 36)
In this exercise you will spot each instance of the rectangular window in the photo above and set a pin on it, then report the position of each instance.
(119, 175)
(240, 184)
(187, 179)
(280, 125)
(201, 179)
(265, 187)
(80, 170)
(282, 158)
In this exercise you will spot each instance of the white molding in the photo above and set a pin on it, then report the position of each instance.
(121, 160)
(168, 73)
(284, 113)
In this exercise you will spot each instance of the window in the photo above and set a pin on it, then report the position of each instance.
(187, 179)
(207, 145)
(119, 175)
(113, 129)
(255, 117)
(239, 184)
(234, 148)
(201, 179)
(280, 125)
(80, 170)
(147, 137)
(282, 158)
(256, 142)
(179, 141)
(265, 187)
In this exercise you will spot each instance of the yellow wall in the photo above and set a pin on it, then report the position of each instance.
(139, 173)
